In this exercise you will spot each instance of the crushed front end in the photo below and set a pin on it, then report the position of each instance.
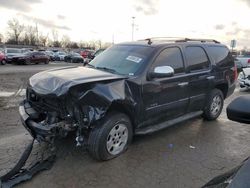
(44, 116)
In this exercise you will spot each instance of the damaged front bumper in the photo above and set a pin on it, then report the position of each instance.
(244, 82)
(38, 130)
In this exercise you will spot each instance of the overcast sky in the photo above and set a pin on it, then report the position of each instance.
(222, 20)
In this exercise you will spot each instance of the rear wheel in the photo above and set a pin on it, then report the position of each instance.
(214, 105)
(46, 62)
(111, 138)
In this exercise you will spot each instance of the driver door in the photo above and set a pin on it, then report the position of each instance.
(166, 98)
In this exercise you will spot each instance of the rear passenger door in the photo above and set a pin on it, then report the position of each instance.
(198, 68)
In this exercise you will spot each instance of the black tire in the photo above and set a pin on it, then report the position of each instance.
(210, 113)
(98, 138)
(3, 62)
(46, 62)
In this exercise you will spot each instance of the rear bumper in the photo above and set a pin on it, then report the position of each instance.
(36, 129)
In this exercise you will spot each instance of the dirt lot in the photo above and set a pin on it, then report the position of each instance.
(186, 155)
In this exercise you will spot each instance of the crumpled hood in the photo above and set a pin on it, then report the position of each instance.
(58, 81)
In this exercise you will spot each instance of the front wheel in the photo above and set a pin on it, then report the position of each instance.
(3, 62)
(111, 138)
(214, 105)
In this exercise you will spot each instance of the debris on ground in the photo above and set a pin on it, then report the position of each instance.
(191, 147)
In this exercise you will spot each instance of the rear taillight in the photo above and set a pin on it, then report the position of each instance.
(235, 72)
(248, 61)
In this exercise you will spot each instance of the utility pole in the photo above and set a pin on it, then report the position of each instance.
(133, 27)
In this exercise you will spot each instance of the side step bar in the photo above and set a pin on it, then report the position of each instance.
(158, 127)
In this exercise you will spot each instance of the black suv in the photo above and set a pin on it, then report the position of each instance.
(130, 89)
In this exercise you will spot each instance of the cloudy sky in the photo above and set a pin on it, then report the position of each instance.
(223, 20)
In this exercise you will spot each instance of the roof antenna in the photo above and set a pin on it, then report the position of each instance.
(149, 41)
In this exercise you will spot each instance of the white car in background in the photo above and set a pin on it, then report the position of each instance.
(242, 61)
(244, 78)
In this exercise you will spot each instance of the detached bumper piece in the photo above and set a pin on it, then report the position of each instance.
(38, 130)
(17, 174)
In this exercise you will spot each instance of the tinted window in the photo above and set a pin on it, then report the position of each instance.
(171, 57)
(219, 53)
(196, 58)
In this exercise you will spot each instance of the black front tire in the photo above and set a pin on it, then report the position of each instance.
(3, 62)
(98, 138)
(209, 112)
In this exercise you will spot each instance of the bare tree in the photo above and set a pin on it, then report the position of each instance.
(82, 44)
(15, 30)
(54, 35)
(43, 39)
(65, 41)
(32, 34)
(98, 44)
(1, 38)
(26, 40)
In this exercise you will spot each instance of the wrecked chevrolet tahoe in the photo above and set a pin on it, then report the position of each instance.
(130, 89)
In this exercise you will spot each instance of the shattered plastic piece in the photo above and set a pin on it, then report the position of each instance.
(191, 147)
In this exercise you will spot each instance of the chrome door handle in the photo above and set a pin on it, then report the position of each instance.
(210, 77)
(183, 84)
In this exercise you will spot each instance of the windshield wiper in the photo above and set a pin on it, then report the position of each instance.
(107, 69)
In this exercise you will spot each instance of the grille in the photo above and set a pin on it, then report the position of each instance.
(45, 103)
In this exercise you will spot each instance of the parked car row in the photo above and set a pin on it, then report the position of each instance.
(28, 56)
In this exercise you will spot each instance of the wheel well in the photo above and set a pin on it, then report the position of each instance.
(223, 88)
(117, 107)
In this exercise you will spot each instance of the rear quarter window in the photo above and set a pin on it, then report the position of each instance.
(221, 56)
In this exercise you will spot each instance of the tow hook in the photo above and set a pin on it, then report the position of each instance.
(17, 174)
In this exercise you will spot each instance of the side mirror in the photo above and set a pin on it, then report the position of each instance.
(239, 110)
(162, 72)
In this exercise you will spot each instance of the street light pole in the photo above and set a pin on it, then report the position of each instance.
(133, 27)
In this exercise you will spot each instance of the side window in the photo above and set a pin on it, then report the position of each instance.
(170, 57)
(196, 59)
(221, 55)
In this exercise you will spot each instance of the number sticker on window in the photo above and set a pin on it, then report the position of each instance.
(134, 59)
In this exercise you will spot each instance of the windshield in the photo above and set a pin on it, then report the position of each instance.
(121, 59)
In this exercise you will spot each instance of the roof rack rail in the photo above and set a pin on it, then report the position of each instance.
(177, 39)
(198, 40)
(162, 39)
